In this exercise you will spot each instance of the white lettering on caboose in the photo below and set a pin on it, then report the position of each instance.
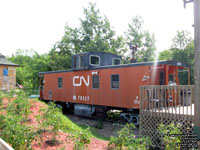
(77, 81)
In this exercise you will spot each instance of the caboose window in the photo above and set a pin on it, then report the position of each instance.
(79, 60)
(116, 61)
(94, 60)
(162, 78)
(95, 82)
(115, 81)
(171, 77)
(60, 82)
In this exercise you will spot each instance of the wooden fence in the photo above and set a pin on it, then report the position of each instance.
(165, 104)
(6, 83)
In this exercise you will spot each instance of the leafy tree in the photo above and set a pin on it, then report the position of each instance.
(186, 55)
(149, 47)
(59, 60)
(30, 63)
(165, 55)
(182, 49)
(181, 40)
(144, 40)
(94, 34)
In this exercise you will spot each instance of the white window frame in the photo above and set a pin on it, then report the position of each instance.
(94, 64)
(118, 59)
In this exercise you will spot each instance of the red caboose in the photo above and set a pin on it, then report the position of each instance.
(98, 81)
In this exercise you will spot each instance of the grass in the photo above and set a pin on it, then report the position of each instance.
(73, 127)
(94, 132)
(70, 126)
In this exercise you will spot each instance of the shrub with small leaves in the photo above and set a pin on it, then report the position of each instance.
(167, 132)
(16, 133)
(20, 106)
(1, 99)
(114, 114)
(82, 139)
(2, 95)
(51, 119)
(10, 94)
(2, 117)
(125, 139)
(13, 128)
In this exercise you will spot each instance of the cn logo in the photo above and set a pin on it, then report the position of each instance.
(77, 81)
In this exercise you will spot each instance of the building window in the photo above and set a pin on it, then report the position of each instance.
(162, 78)
(5, 72)
(79, 60)
(171, 77)
(60, 82)
(116, 61)
(115, 81)
(95, 82)
(94, 60)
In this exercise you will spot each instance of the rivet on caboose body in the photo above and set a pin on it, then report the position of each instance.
(99, 82)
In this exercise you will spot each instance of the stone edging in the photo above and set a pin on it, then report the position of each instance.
(4, 145)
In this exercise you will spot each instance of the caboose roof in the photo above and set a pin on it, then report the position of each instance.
(4, 61)
(93, 53)
(169, 62)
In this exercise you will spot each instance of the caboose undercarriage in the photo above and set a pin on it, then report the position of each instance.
(100, 112)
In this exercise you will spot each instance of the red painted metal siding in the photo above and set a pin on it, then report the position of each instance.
(129, 82)
(127, 96)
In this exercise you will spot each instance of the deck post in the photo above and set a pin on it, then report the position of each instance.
(167, 74)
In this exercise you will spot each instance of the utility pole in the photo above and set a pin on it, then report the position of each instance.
(197, 67)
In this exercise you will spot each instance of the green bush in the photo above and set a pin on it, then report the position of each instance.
(20, 106)
(2, 117)
(51, 119)
(13, 129)
(2, 95)
(82, 139)
(114, 114)
(126, 139)
(170, 141)
(10, 94)
(17, 134)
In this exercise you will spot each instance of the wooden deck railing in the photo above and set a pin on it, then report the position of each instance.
(167, 99)
(166, 105)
